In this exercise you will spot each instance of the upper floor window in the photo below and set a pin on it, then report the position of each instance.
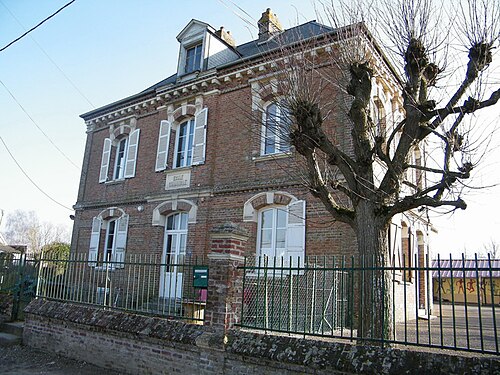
(120, 157)
(193, 58)
(121, 153)
(184, 144)
(275, 130)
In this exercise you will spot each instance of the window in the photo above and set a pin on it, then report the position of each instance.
(174, 250)
(123, 152)
(281, 234)
(273, 232)
(110, 240)
(193, 58)
(184, 144)
(120, 158)
(275, 130)
(112, 249)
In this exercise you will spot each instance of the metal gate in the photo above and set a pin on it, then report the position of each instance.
(18, 280)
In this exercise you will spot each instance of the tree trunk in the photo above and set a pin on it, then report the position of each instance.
(375, 304)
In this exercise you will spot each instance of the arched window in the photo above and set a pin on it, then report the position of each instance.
(275, 129)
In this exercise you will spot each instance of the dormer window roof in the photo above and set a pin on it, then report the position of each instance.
(203, 48)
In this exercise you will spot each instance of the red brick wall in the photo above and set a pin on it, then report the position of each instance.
(230, 174)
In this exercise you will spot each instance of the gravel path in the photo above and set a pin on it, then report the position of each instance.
(22, 360)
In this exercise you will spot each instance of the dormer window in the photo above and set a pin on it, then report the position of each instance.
(193, 58)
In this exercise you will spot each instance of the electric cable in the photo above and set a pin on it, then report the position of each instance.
(48, 57)
(38, 127)
(38, 25)
(30, 179)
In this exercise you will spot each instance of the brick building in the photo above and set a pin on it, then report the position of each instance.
(165, 166)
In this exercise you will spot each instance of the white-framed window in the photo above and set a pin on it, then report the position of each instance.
(193, 58)
(123, 151)
(174, 251)
(120, 157)
(190, 142)
(281, 234)
(275, 129)
(184, 144)
(112, 249)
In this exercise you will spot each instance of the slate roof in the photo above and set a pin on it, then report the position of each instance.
(247, 50)
(255, 48)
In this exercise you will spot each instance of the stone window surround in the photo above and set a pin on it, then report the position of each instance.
(253, 205)
(164, 209)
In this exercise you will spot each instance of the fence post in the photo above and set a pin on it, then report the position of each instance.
(225, 280)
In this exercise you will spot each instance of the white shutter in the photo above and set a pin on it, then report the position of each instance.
(120, 240)
(163, 143)
(94, 241)
(296, 233)
(133, 145)
(106, 153)
(200, 137)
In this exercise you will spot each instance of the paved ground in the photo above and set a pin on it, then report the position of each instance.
(21, 360)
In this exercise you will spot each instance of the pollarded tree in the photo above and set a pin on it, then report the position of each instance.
(379, 172)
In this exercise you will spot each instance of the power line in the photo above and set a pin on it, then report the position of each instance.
(38, 127)
(35, 27)
(29, 178)
(50, 59)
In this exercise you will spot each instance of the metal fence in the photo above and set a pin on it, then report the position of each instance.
(18, 275)
(140, 283)
(323, 296)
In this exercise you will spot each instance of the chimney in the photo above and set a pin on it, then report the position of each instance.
(226, 36)
(269, 25)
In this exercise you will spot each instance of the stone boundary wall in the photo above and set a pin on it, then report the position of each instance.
(6, 304)
(138, 344)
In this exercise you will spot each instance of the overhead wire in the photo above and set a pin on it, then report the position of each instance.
(38, 127)
(36, 26)
(50, 59)
(30, 179)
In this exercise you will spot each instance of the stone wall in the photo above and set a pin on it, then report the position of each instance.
(6, 304)
(137, 344)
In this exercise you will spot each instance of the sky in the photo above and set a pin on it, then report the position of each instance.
(95, 52)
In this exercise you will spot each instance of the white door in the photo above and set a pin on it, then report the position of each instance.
(174, 250)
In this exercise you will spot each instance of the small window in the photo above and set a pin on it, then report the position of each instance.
(193, 58)
(121, 156)
(110, 240)
(275, 130)
(184, 144)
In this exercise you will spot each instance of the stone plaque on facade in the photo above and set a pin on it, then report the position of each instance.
(178, 179)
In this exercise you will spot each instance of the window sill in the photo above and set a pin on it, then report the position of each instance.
(115, 182)
(278, 155)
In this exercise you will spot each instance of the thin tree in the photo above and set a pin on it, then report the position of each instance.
(329, 87)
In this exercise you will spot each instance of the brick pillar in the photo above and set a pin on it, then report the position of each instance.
(225, 281)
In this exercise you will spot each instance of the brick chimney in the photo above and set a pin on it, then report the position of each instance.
(269, 25)
(225, 36)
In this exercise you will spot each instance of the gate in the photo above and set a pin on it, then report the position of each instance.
(18, 280)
